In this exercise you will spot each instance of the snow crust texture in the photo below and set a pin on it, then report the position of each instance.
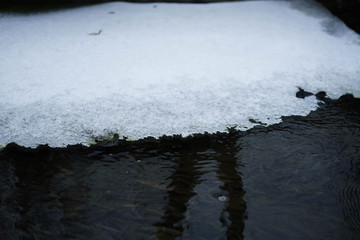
(163, 69)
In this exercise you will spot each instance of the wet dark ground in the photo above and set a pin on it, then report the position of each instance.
(299, 179)
(347, 10)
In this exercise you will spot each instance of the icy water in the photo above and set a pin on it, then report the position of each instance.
(298, 179)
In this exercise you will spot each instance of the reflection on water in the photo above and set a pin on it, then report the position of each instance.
(165, 190)
(294, 180)
(205, 194)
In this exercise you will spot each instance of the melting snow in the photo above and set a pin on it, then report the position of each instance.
(68, 76)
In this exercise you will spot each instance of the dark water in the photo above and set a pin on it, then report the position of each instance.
(299, 179)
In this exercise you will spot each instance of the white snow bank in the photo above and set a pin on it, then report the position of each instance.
(169, 69)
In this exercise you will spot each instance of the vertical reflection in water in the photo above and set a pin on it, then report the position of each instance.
(233, 190)
(165, 190)
(181, 190)
(205, 175)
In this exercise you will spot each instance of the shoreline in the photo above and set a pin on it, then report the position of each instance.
(346, 102)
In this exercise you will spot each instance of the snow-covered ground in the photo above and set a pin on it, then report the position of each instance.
(162, 68)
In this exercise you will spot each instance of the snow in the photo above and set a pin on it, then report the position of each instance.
(169, 69)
